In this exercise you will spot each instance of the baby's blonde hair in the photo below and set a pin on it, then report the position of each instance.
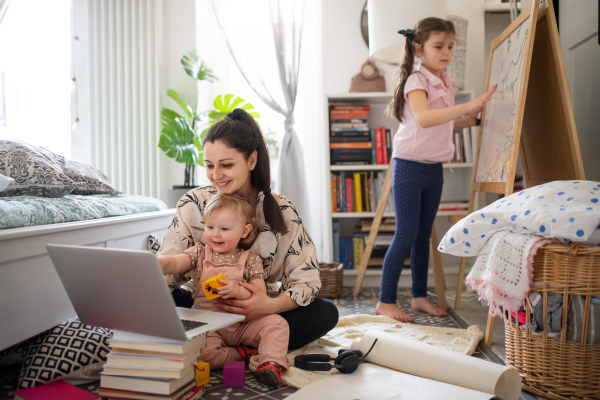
(236, 202)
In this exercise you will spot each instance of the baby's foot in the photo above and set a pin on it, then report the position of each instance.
(422, 304)
(246, 352)
(392, 311)
(269, 374)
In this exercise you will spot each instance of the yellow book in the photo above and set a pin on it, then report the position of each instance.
(357, 194)
(359, 249)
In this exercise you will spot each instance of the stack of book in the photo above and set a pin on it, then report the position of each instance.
(151, 370)
(464, 145)
(350, 139)
(358, 191)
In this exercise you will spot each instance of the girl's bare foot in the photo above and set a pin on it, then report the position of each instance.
(423, 305)
(392, 311)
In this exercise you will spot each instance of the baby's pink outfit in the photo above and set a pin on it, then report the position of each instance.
(270, 334)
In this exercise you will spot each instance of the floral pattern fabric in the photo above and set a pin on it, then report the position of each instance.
(289, 260)
(23, 211)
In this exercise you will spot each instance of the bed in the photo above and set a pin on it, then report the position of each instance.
(32, 298)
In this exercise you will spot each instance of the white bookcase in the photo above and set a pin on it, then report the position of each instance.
(457, 185)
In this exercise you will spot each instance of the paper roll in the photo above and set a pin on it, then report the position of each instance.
(420, 359)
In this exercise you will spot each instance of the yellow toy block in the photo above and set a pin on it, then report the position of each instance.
(202, 373)
(211, 284)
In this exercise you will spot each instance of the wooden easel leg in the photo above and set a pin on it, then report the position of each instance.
(489, 330)
(385, 193)
(438, 270)
(461, 281)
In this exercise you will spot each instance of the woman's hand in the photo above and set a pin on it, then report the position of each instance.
(475, 106)
(256, 306)
(165, 262)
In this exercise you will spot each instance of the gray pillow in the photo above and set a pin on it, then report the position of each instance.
(36, 171)
(5, 181)
(90, 180)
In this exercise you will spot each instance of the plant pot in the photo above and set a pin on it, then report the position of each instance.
(173, 195)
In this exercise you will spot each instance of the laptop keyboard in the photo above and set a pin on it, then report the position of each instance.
(189, 325)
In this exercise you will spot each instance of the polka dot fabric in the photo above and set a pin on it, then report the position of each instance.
(563, 210)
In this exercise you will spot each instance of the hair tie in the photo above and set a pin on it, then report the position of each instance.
(408, 33)
(233, 116)
(267, 191)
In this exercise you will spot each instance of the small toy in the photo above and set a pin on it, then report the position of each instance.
(234, 374)
(211, 284)
(202, 373)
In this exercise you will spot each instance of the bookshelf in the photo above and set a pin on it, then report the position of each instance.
(457, 183)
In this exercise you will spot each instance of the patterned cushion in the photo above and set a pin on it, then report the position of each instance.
(5, 181)
(69, 350)
(91, 180)
(36, 171)
(153, 244)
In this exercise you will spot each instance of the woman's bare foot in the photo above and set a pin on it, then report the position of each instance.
(423, 305)
(392, 311)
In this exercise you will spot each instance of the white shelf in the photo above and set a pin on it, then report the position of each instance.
(372, 97)
(390, 215)
(499, 7)
(383, 167)
(448, 269)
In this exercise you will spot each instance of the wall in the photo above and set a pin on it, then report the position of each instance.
(344, 49)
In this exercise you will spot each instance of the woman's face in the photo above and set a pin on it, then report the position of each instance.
(227, 169)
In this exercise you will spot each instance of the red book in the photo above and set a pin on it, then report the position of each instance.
(384, 145)
(351, 107)
(341, 114)
(378, 146)
(335, 192)
(349, 195)
(57, 390)
(350, 145)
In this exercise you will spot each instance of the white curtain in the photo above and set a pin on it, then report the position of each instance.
(3, 7)
(264, 40)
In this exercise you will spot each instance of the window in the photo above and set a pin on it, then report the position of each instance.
(35, 81)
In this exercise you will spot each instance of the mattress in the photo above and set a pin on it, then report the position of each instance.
(24, 211)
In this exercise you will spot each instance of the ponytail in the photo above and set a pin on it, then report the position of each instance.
(239, 131)
(418, 35)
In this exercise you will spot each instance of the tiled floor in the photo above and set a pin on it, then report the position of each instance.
(347, 305)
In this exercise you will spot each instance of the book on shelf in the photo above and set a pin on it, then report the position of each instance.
(347, 134)
(458, 153)
(351, 146)
(336, 241)
(359, 248)
(349, 121)
(447, 206)
(351, 162)
(373, 146)
(159, 386)
(347, 253)
(360, 151)
(349, 107)
(337, 128)
(351, 139)
(128, 394)
(365, 226)
(384, 145)
(344, 114)
(389, 144)
(466, 137)
(351, 158)
(349, 197)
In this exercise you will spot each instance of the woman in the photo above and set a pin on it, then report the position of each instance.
(237, 162)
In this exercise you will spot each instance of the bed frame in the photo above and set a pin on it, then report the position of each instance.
(32, 298)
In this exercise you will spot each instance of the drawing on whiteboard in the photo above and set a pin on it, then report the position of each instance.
(500, 114)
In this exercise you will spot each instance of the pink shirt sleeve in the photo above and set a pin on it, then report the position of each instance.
(414, 82)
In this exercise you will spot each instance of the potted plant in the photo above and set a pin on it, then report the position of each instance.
(179, 137)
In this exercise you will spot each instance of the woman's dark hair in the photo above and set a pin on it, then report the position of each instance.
(239, 131)
(418, 35)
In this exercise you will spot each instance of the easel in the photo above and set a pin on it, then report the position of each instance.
(544, 125)
(438, 269)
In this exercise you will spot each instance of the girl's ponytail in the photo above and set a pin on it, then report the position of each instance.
(402, 75)
(419, 36)
(239, 131)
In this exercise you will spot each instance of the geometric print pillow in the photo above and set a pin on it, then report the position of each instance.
(153, 244)
(69, 350)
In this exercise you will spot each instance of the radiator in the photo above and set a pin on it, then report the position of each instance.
(124, 121)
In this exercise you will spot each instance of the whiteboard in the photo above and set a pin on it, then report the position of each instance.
(501, 111)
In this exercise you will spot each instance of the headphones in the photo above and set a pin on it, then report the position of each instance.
(346, 362)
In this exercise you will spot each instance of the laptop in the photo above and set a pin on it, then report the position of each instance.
(125, 290)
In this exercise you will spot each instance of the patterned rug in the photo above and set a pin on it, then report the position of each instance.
(347, 305)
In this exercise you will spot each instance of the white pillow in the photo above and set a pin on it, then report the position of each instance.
(564, 210)
(4, 182)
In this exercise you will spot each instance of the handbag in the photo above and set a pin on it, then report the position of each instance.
(369, 79)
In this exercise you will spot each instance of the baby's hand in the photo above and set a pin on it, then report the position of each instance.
(231, 290)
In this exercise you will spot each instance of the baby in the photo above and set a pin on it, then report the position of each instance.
(230, 230)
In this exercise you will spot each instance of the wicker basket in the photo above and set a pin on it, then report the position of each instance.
(554, 367)
(332, 276)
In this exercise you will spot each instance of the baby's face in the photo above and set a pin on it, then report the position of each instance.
(223, 231)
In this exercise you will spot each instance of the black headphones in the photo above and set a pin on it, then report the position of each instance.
(346, 362)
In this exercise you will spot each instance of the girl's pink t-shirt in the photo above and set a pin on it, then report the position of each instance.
(413, 142)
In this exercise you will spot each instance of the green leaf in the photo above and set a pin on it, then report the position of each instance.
(168, 115)
(177, 141)
(180, 100)
(198, 144)
(197, 69)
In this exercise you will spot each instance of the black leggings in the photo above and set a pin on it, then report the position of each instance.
(307, 323)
